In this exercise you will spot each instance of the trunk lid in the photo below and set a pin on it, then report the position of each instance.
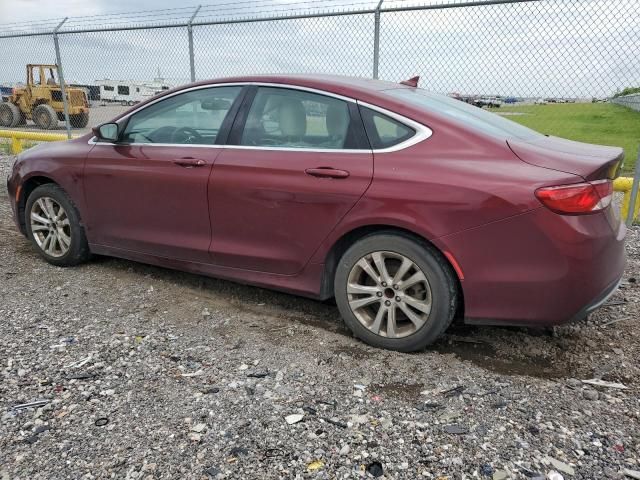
(591, 162)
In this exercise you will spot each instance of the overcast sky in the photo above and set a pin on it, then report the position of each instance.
(572, 48)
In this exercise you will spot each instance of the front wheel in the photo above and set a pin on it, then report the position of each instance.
(54, 228)
(395, 292)
(79, 120)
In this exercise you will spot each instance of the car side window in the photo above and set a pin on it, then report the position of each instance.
(193, 117)
(287, 118)
(384, 131)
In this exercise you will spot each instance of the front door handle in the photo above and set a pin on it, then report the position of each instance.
(189, 162)
(327, 172)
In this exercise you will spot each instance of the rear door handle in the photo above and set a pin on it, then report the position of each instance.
(189, 162)
(327, 172)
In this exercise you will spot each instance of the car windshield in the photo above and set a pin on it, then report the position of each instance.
(473, 117)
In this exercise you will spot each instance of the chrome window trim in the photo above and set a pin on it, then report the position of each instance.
(422, 131)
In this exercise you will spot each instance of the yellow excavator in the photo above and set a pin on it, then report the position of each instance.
(41, 101)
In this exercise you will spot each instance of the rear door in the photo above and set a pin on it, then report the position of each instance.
(148, 192)
(296, 163)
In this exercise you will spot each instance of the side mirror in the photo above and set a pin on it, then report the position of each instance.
(106, 131)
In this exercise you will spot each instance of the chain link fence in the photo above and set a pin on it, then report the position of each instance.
(509, 55)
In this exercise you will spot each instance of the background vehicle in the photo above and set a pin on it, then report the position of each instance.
(40, 100)
(130, 92)
(489, 102)
(405, 206)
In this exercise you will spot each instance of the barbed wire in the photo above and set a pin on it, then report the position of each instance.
(221, 11)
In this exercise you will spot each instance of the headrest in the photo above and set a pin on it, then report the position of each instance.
(292, 118)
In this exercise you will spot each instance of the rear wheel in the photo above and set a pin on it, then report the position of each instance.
(79, 120)
(45, 117)
(395, 292)
(10, 115)
(22, 120)
(54, 228)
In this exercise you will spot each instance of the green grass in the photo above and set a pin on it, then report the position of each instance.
(5, 148)
(600, 123)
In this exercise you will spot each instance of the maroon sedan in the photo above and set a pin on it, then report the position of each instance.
(409, 208)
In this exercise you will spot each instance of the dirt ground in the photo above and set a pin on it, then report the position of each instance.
(147, 373)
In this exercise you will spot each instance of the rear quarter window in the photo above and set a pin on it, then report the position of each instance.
(467, 115)
(384, 131)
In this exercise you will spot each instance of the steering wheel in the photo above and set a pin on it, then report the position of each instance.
(186, 135)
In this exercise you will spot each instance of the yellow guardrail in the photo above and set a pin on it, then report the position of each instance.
(621, 184)
(17, 137)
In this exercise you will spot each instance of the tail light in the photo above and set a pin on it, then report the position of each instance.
(577, 199)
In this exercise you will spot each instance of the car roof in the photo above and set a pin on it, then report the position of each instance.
(343, 85)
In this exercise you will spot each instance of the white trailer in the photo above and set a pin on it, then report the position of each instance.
(129, 92)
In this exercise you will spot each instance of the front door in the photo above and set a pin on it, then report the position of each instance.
(299, 161)
(148, 192)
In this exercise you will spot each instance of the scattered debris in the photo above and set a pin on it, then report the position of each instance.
(613, 304)
(452, 392)
(273, 453)
(315, 465)
(616, 320)
(560, 465)
(34, 404)
(238, 451)
(199, 427)
(500, 475)
(294, 418)
(101, 422)
(632, 473)
(601, 383)
(553, 475)
(337, 423)
(34, 438)
(212, 471)
(456, 429)
(375, 469)
(80, 363)
(486, 470)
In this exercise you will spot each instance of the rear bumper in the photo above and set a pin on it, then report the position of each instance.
(539, 268)
(597, 302)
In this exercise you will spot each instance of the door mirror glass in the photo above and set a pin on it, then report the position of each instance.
(107, 131)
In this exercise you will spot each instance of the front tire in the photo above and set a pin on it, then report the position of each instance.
(10, 115)
(79, 120)
(53, 225)
(45, 117)
(395, 292)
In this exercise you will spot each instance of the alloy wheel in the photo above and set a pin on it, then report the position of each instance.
(50, 227)
(389, 294)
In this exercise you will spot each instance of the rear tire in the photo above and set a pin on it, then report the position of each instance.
(79, 120)
(45, 117)
(53, 225)
(22, 121)
(10, 115)
(405, 308)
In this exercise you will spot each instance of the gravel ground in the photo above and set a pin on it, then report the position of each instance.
(150, 373)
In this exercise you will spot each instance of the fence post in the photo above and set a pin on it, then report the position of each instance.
(634, 193)
(192, 63)
(63, 89)
(376, 39)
